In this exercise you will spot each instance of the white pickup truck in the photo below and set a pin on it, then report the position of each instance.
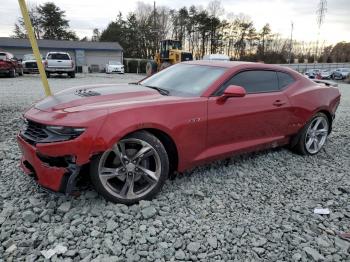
(59, 63)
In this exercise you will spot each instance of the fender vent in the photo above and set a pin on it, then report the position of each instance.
(86, 93)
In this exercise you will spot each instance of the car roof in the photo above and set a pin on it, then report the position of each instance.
(240, 65)
(57, 52)
(227, 64)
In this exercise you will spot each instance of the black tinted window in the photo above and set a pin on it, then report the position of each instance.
(58, 57)
(284, 79)
(255, 81)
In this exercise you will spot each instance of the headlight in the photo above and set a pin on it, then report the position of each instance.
(65, 130)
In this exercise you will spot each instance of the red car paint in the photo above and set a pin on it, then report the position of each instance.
(49, 177)
(8, 63)
(202, 128)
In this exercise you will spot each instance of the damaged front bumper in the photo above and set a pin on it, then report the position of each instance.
(54, 173)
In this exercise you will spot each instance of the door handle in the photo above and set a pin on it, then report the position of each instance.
(278, 103)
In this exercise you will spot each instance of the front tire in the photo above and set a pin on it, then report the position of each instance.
(134, 169)
(71, 75)
(12, 73)
(313, 136)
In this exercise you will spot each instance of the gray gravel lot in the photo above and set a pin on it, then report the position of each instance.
(256, 207)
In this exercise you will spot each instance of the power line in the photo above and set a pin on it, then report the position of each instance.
(321, 13)
(291, 43)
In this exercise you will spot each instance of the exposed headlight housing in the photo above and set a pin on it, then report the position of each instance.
(35, 132)
(66, 131)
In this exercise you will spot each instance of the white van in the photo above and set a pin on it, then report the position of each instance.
(216, 57)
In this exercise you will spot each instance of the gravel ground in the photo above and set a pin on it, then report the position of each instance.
(256, 207)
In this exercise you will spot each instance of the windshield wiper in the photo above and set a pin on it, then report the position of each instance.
(134, 83)
(160, 90)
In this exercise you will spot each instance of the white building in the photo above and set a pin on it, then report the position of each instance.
(95, 55)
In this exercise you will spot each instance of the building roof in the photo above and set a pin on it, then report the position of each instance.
(61, 44)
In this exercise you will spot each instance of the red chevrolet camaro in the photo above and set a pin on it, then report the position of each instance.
(132, 136)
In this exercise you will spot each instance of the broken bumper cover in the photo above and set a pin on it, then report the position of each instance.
(55, 178)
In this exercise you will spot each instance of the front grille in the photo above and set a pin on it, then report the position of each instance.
(31, 65)
(34, 132)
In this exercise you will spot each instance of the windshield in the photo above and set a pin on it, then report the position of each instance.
(58, 56)
(185, 79)
(29, 57)
(114, 63)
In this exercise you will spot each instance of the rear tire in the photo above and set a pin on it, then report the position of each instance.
(151, 68)
(134, 169)
(313, 136)
(72, 74)
(48, 74)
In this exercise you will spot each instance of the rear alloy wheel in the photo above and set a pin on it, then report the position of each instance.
(314, 135)
(134, 169)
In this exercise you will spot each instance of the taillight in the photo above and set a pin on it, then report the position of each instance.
(45, 63)
(72, 63)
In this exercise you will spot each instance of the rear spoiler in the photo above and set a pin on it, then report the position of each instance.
(325, 82)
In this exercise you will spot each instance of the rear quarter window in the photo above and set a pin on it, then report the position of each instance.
(284, 80)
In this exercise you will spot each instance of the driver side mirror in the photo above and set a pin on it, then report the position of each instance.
(231, 91)
(234, 91)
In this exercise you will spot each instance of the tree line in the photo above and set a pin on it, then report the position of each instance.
(48, 21)
(201, 30)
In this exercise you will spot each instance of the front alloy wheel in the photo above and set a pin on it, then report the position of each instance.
(135, 168)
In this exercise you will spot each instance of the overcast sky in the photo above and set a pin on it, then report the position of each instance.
(85, 15)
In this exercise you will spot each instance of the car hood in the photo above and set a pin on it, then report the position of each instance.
(26, 61)
(101, 97)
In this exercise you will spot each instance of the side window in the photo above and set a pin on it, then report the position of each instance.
(284, 79)
(254, 81)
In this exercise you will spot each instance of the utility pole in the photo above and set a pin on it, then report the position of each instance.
(34, 44)
(154, 28)
(321, 13)
(291, 44)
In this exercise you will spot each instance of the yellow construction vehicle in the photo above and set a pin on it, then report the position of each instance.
(170, 53)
